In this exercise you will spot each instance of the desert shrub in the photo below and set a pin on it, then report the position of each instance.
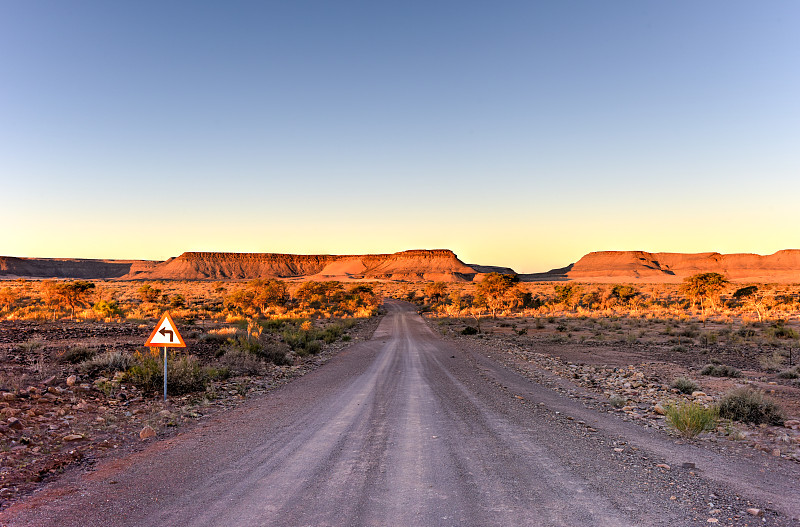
(107, 308)
(720, 370)
(110, 361)
(469, 330)
(214, 338)
(685, 385)
(313, 347)
(747, 332)
(772, 362)
(30, 346)
(185, 374)
(273, 352)
(617, 401)
(304, 342)
(779, 331)
(245, 344)
(750, 406)
(241, 362)
(278, 354)
(689, 419)
(77, 355)
(791, 373)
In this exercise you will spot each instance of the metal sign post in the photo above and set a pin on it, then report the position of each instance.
(165, 374)
(166, 334)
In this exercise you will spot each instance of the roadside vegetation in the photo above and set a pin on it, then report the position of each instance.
(233, 329)
(701, 314)
(705, 355)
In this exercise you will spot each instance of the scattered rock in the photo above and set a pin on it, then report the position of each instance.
(72, 437)
(755, 512)
(14, 423)
(146, 433)
(664, 466)
(71, 380)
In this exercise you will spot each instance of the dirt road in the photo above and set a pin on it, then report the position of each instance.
(407, 429)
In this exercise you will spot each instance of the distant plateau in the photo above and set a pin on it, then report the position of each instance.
(410, 266)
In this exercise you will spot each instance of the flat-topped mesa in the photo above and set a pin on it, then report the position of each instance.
(437, 264)
(80, 268)
(615, 266)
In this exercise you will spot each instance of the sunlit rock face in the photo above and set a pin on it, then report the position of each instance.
(437, 265)
(619, 266)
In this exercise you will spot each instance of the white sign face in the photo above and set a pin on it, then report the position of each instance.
(166, 334)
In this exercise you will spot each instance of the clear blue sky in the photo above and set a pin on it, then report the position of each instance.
(515, 133)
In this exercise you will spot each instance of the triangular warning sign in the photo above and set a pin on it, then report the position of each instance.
(165, 335)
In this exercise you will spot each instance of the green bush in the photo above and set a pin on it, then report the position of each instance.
(184, 373)
(720, 370)
(689, 419)
(750, 406)
(302, 341)
(779, 331)
(685, 385)
(469, 330)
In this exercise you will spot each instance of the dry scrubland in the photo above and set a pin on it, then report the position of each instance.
(75, 378)
(719, 363)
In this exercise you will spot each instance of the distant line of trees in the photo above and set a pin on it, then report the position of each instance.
(502, 293)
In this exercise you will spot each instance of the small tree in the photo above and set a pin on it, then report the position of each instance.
(149, 293)
(567, 294)
(269, 293)
(107, 308)
(8, 298)
(240, 301)
(496, 291)
(75, 294)
(625, 293)
(436, 291)
(704, 288)
(752, 296)
(51, 296)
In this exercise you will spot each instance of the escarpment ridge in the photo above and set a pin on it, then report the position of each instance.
(640, 266)
(440, 264)
(414, 265)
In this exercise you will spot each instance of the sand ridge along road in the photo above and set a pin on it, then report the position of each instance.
(406, 429)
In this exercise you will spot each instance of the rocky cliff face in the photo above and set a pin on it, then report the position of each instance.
(428, 265)
(11, 267)
(406, 265)
(413, 265)
(640, 266)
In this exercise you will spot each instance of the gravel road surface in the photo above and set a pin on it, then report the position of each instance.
(408, 430)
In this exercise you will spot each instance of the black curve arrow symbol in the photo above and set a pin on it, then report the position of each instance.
(164, 332)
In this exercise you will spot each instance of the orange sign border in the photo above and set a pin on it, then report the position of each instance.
(179, 344)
